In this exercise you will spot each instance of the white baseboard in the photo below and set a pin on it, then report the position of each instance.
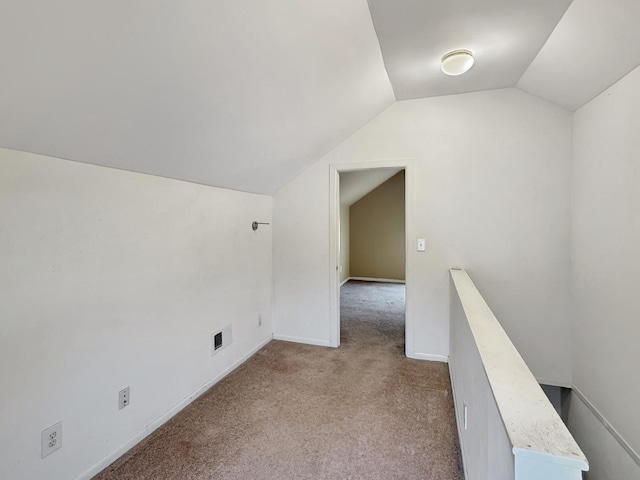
(382, 280)
(345, 281)
(308, 341)
(429, 356)
(162, 419)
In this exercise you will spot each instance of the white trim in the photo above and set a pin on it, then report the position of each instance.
(162, 419)
(459, 427)
(530, 421)
(553, 383)
(345, 281)
(610, 428)
(334, 253)
(308, 341)
(334, 250)
(525, 456)
(430, 356)
(371, 279)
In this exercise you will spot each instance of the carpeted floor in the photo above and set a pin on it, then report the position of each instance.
(362, 411)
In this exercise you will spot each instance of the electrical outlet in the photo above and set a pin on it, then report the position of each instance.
(124, 398)
(51, 439)
(259, 320)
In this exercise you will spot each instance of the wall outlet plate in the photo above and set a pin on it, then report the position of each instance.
(124, 398)
(51, 439)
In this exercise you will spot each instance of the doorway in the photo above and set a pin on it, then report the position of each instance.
(368, 268)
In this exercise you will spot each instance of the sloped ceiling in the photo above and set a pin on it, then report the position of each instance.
(246, 94)
(562, 51)
(504, 36)
(355, 185)
(242, 94)
(596, 43)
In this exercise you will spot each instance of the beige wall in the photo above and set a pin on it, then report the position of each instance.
(377, 248)
(344, 242)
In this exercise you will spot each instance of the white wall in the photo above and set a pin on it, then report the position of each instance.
(111, 279)
(606, 270)
(492, 195)
(608, 460)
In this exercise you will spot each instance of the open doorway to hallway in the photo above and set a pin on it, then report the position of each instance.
(372, 316)
(372, 258)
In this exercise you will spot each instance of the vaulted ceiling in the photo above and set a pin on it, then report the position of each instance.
(355, 185)
(504, 36)
(596, 43)
(242, 94)
(246, 94)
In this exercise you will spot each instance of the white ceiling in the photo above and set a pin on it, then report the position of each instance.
(355, 185)
(246, 94)
(243, 94)
(504, 36)
(596, 43)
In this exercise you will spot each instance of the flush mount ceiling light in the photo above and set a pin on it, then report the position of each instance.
(457, 62)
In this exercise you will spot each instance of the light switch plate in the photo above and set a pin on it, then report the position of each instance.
(421, 244)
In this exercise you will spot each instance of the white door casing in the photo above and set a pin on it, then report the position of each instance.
(334, 244)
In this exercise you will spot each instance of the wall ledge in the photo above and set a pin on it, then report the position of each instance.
(540, 442)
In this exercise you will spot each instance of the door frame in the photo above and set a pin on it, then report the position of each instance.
(334, 244)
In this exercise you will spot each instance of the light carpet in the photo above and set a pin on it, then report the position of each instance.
(361, 411)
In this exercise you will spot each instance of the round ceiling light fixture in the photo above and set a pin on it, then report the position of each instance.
(457, 62)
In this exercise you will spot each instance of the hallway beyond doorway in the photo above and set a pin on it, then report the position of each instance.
(372, 313)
